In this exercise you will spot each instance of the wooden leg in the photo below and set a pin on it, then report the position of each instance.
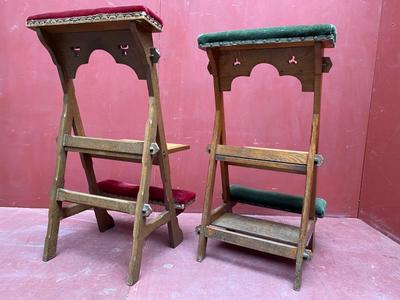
(311, 244)
(55, 212)
(174, 231)
(143, 194)
(103, 218)
(201, 250)
(212, 166)
(308, 211)
(305, 216)
(298, 272)
(224, 166)
(137, 249)
(301, 245)
(175, 234)
(50, 244)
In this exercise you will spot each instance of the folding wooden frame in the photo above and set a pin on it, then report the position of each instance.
(130, 43)
(303, 60)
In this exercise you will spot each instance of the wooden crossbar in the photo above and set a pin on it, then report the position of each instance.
(265, 158)
(262, 164)
(98, 201)
(265, 154)
(124, 150)
(83, 143)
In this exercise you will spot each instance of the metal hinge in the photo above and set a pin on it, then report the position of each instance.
(147, 210)
(319, 160)
(326, 64)
(154, 55)
(154, 148)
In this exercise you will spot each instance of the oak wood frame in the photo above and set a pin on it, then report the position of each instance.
(225, 64)
(129, 43)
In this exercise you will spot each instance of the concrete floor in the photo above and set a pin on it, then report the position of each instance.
(351, 261)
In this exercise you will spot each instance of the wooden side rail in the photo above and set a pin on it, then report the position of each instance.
(101, 201)
(126, 150)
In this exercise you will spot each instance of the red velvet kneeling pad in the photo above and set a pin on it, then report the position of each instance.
(126, 189)
(97, 11)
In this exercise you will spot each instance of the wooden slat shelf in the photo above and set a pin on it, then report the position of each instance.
(125, 150)
(251, 242)
(258, 234)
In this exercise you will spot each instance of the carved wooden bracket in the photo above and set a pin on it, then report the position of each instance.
(73, 49)
(294, 61)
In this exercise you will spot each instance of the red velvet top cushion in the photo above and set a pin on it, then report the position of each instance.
(96, 11)
(126, 189)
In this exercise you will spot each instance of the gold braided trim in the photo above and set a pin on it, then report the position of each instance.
(139, 15)
(329, 40)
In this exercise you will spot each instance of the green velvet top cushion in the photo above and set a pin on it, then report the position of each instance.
(325, 33)
(274, 200)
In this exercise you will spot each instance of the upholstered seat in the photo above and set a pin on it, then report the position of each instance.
(325, 33)
(156, 194)
(103, 14)
(274, 200)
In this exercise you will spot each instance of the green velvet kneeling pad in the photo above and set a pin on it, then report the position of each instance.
(274, 200)
(319, 32)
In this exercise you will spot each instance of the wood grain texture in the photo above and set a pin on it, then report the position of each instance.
(262, 164)
(257, 227)
(274, 155)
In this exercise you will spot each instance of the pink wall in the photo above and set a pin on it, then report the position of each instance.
(266, 110)
(380, 194)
